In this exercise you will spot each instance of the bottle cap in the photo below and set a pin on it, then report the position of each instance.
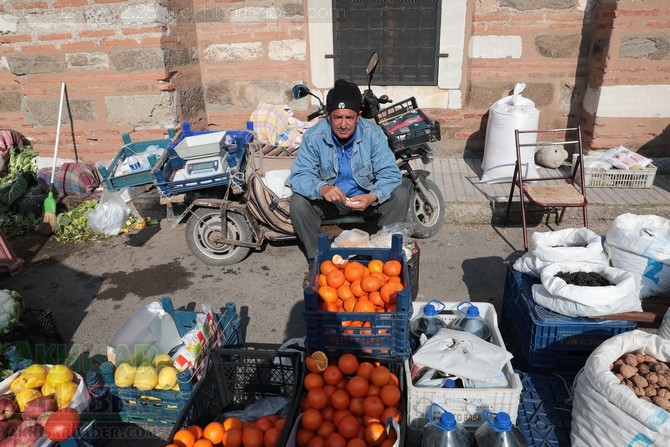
(447, 421)
(502, 421)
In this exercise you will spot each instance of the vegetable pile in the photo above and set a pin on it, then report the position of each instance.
(21, 174)
(11, 307)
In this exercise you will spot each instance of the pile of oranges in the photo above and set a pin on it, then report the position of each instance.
(232, 432)
(350, 286)
(347, 403)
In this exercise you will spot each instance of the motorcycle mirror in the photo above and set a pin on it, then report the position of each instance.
(300, 91)
(372, 64)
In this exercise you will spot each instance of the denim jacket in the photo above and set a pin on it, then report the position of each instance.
(372, 161)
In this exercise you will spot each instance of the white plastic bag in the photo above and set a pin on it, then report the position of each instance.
(623, 158)
(506, 115)
(462, 354)
(566, 245)
(109, 214)
(606, 412)
(586, 301)
(640, 244)
(148, 329)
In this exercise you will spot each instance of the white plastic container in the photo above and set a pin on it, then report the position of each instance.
(465, 403)
(198, 146)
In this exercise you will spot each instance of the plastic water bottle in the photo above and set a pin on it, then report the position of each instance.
(446, 432)
(498, 431)
(428, 323)
(471, 321)
(133, 162)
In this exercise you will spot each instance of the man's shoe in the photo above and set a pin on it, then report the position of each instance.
(308, 275)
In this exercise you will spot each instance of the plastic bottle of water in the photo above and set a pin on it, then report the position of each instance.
(446, 432)
(499, 431)
(133, 162)
(471, 321)
(427, 323)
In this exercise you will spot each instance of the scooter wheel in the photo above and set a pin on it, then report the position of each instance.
(425, 219)
(204, 229)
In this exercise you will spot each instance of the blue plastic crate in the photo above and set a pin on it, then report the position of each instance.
(541, 339)
(162, 407)
(135, 178)
(163, 175)
(236, 378)
(388, 334)
(545, 409)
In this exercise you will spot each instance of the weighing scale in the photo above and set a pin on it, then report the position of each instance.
(205, 166)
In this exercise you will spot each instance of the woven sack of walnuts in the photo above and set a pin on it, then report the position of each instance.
(617, 396)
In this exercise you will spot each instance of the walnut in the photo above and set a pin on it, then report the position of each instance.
(619, 377)
(650, 359)
(630, 359)
(648, 399)
(650, 391)
(663, 403)
(628, 371)
(663, 380)
(664, 393)
(640, 357)
(656, 367)
(639, 391)
(640, 381)
(652, 377)
(617, 364)
(642, 368)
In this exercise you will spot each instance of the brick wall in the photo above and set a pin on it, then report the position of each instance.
(143, 68)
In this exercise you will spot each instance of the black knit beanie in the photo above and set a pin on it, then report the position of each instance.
(345, 95)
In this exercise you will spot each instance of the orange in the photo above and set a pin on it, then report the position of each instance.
(253, 437)
(348, 363)
(340, 399)
(316, 441)
(349, 304)
(348, 426)
(357, 386)
(380, 376)
(313, 380)
(232, 422)
(196, 430)
(370, 283)
(332, 375)
(390, 395)
(214, 432)
(321, 360)
(373, 390)
(364, 369)
(184, 438)
(376, 299)
(344, 292)
(390, 412)
(327, 266)
(392, 268)
(327, 427)
(375, 433)
(356, 406)
(364, 306)
(203, 442)
(328, 294)
(339, 261)
(336, 440)
(389, 292)
(232, 437)
(311, 420)
(265, 423)
(302, 436)
(317, 398)
(271, 437)
(356, 288)
(354, 270)
(356, 442)
(373, 406)
(376, 266)
(335, 278)
(281, 422)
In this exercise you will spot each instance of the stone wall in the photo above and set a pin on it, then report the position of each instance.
(144, 67)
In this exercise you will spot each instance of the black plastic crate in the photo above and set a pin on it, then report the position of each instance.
(545, 409)
(405, 125)
(37, 337)
(236, 378)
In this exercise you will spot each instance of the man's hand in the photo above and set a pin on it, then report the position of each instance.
(332, 193)
(360, 203)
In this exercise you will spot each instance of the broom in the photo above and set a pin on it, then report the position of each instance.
(48, 225)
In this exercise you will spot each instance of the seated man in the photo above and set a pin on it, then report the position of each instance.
(344, 165)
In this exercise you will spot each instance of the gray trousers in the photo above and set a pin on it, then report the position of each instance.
(307, 215)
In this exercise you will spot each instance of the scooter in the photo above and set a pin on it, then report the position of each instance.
(408, 131)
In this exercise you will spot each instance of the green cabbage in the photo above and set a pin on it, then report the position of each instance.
(11, 306)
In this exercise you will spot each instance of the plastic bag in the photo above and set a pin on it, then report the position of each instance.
(623, 158)
(382, 238)
(150, 330)
(462, 354)
(109, 214)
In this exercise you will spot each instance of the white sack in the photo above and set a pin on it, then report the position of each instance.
(584, 301)
(506, 115)
(641, 245)
(604, 411)
(569, 244)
